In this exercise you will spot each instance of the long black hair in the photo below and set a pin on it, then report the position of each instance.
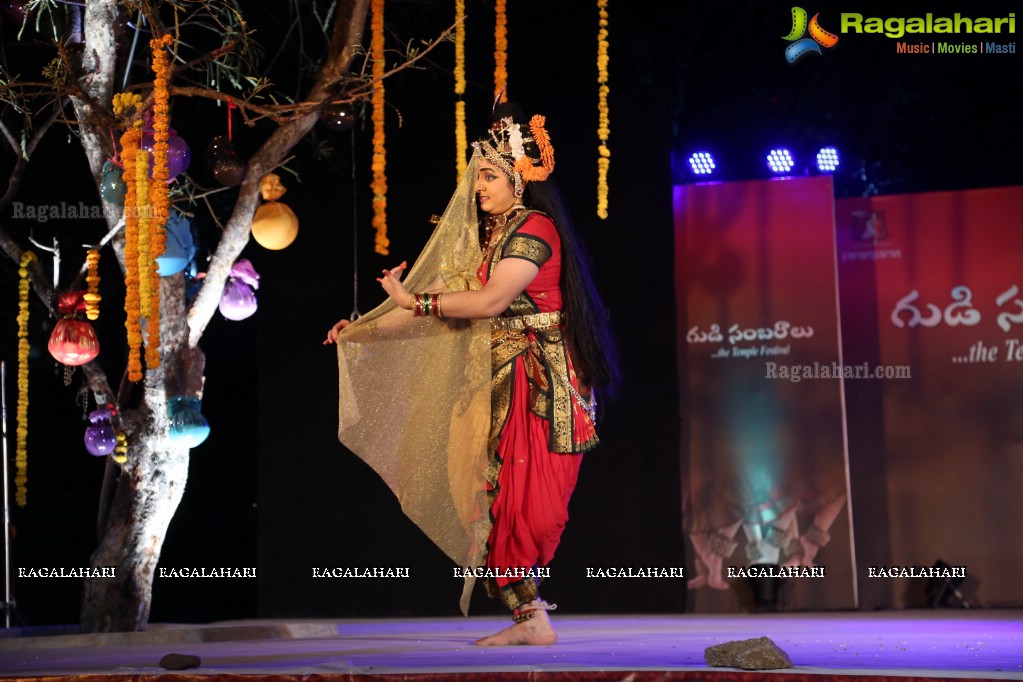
(587, 328)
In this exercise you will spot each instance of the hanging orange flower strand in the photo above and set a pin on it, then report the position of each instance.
(379, 163)
(21, 446)
(460, 140)
(92, 296)
(130, 141)
(501, 51)
(603, 114)
(158, 194)
(128, 104)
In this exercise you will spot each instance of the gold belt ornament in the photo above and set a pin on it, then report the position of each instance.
(536, 321)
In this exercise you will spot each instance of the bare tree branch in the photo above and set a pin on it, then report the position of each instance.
(345, 39)
(18, 173)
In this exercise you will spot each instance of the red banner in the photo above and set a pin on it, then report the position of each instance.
(932, 291)
(765, 484)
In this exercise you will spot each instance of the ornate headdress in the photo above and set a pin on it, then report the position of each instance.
(522, 153)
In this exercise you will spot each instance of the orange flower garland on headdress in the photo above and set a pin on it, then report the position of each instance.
(604, 117)
(524, 164)
(379, 163)
(21, 446)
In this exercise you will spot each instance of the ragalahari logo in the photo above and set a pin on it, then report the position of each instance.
(802, 46)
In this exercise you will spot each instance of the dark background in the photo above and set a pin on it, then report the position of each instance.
(272, 488)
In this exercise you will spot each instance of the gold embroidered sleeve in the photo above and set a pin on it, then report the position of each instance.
(526, 246)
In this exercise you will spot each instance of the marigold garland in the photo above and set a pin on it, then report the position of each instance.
(501, 51)
(130, 141)
(121, 449)
(126, 100)
(142, 240)
(92, 297)
(461, 145)
(21, 447)
(159, 201)
(379, 163)
(604, 116)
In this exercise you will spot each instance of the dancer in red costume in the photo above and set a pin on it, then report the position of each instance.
(550, 348)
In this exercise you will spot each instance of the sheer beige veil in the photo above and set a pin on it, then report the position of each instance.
(414, 398)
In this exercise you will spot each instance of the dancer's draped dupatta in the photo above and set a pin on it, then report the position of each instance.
(415, 393)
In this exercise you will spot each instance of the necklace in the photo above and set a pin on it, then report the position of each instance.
(493, 224)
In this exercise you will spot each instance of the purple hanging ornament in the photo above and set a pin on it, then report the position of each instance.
(100, 438)
(239, 299)
(179, 156)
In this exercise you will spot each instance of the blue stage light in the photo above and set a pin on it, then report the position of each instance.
(780, 161)
(702, 163)
(827, 160)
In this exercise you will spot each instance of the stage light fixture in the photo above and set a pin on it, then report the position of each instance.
(702, 163)
(827, 160)
(780, 161)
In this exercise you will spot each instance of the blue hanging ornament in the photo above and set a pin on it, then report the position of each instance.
(113, 188)
(180, 246)
(188, 427)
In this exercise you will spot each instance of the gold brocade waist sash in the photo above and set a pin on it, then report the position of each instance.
(536, 321)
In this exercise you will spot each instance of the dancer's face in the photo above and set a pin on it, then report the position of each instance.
(496, 192)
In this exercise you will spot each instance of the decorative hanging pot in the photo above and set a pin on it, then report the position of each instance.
(113, 188)
(187, 425)
(180, 248)
(179, 156)
(338, 117)
(73, 341)
(100, 438)
(275, 225)
(239, 299)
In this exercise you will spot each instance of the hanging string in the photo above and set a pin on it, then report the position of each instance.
(355, 239)
(230, 108)
(141, 19)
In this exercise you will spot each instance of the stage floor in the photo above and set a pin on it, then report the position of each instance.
(895, 644)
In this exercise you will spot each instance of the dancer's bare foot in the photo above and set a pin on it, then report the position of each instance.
(715, 565)
(537, 631)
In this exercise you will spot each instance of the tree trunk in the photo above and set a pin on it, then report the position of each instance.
(151, 484)
(149, 490)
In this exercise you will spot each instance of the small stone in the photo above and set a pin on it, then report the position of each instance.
(748, 654)
(180, 662)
